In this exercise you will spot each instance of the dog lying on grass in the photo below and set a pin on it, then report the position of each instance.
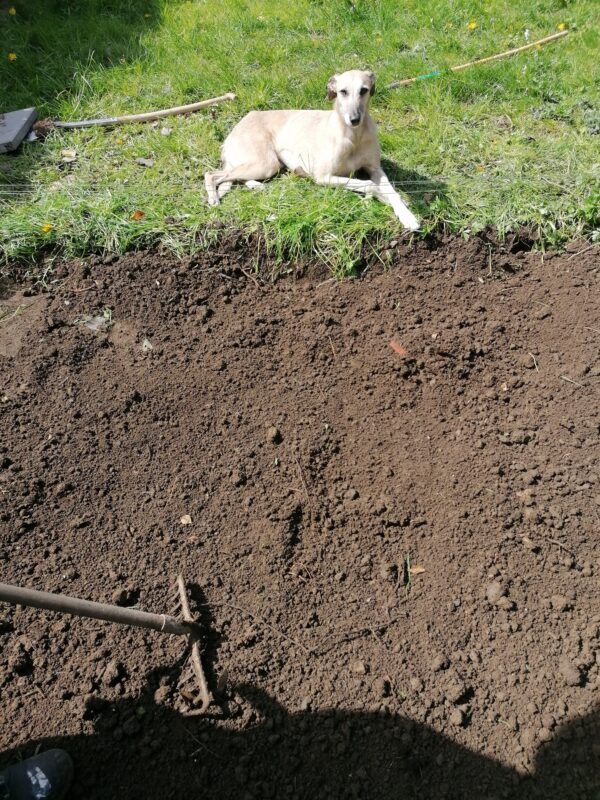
(327, 146)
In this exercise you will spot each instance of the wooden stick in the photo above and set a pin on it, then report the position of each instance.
(497, 57)
(562, 547)
(148, 116)
(585, 250)
(570, 380)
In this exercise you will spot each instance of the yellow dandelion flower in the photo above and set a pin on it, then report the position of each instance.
(12, 11)
(480, 168)
(47, 227)
(12, 56)
(561, 26)
(472, 25)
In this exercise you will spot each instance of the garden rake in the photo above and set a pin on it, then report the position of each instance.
(199, 699)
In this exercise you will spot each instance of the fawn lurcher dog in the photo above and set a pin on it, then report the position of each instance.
(327, 146)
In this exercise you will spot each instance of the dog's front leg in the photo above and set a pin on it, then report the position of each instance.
(211, 189)
(385, 192)
(352, 184)
(379, 187)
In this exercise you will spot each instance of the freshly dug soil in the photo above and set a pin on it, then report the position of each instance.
(384, 495)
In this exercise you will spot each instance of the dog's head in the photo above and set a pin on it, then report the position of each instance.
(351, 91)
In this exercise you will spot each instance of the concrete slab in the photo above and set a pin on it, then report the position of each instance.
(14, 127)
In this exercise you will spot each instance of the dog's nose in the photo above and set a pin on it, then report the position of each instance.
(355, 120)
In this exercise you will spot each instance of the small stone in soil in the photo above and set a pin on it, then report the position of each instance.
(527, 737)
(388, 572)
(161, 694)
(20, 661)
(505, 604)
(494, 592)
(439, 662)
(548, 721)
(525, 360)
(455, 691)
(570, 672)
(274, 435)
(238, 478)
(381, 687)
(544, 735)
(528, 544)
(113, 673)
(457, 717)
(559, 602)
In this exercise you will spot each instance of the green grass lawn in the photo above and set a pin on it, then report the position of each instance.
(515, 142)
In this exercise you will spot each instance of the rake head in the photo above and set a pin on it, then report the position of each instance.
(195, 688)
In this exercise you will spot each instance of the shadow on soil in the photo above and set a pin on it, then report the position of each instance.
(143, 750)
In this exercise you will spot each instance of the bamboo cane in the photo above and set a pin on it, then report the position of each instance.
(487, 60)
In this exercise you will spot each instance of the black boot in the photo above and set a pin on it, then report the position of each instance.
(46, 776)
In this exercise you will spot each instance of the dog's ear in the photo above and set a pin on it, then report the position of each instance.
(332, 87)
(371, 79)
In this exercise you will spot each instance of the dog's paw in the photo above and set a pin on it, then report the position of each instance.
(212, 196)
(409, 221)
(406, 217)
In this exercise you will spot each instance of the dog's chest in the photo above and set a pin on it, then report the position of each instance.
(350, 156)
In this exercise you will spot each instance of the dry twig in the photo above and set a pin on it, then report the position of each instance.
(570, 380)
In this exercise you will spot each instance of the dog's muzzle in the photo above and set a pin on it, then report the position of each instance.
(354, 121)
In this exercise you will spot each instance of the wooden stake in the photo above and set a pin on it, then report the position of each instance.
(148, 116)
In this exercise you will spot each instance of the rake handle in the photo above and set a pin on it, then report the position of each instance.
(87, 608)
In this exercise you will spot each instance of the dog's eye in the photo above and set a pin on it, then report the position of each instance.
(344, 92)
(364, 90)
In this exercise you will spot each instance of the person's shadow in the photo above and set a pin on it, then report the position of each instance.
(254, 749)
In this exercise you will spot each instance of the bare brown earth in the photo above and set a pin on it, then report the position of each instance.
(393, 490)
